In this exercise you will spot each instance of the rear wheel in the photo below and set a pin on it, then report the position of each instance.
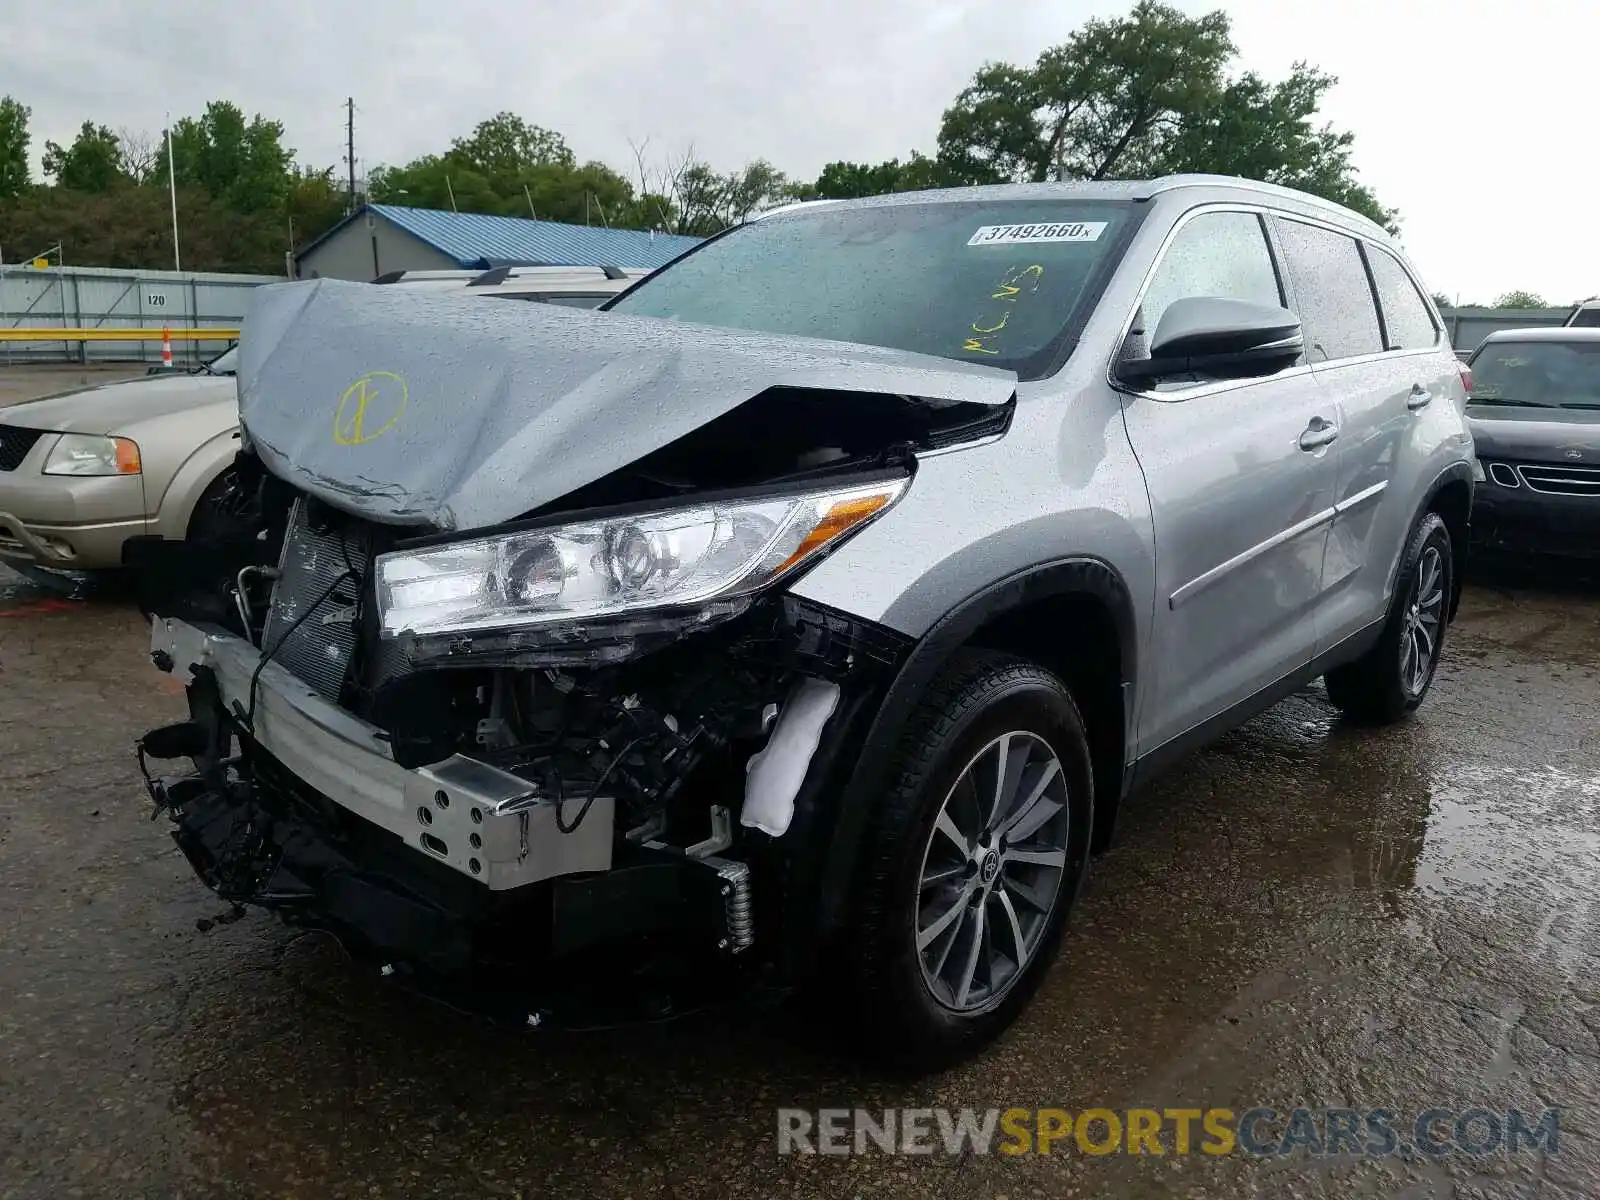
(1392, 678)
(972, 863)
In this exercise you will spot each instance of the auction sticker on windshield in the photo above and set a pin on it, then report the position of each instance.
(1058, 231)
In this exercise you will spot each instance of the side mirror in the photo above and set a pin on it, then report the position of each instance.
(1220, 338)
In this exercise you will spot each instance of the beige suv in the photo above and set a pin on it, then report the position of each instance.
(83, 471)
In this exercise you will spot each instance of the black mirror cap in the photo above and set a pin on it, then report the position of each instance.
(1219, 337)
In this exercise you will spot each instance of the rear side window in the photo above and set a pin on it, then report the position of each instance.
(1216, 254)
(1585, 318)
(1405, 314)
(1331, 286)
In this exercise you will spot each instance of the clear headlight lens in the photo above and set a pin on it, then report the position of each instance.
(594, 569)
(91, 454)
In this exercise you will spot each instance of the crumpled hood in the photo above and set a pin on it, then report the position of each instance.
(1555, 435)
(118, 408)
(459, 412)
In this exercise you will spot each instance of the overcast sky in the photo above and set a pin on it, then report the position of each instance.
(1476, 121)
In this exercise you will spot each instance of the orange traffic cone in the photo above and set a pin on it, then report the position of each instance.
(166, 346)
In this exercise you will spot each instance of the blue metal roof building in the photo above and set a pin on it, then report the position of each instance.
(377, 238)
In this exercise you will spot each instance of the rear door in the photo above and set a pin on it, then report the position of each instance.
(1240, 476)
(1379, 355)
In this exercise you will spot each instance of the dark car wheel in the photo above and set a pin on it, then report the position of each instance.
(1392, 678)
(971, 864)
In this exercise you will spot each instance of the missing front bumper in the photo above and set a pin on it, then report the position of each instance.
(455, 873)
(487, 824)
(644, 940)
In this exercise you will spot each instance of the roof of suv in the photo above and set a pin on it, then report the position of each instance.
(1118, 189)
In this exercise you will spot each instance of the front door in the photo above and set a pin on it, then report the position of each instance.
(1241, 479)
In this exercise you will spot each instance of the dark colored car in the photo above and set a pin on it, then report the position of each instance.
(1535, 415)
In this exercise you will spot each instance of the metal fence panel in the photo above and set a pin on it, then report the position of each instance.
(1469, 326)
(106, 298)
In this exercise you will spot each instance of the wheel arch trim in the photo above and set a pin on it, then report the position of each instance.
(1059, 578)
(1456, 472)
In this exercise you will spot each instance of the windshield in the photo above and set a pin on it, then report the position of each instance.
(1538, 374)
(994, 282)
(225, 363)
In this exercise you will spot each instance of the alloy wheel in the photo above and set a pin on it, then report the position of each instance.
(1422, 623)
(992, 871)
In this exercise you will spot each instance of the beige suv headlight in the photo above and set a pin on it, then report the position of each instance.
(92, 454)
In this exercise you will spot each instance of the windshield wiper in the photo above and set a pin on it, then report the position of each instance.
(1583, 405)
(1507, 401)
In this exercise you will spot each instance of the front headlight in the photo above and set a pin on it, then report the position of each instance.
(91, 454)
(673, 558)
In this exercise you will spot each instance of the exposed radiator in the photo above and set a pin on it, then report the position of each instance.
(324, 570)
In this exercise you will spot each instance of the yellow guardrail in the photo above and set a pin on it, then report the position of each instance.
(56, 334)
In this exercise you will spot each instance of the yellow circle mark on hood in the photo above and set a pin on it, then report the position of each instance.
(370, 408)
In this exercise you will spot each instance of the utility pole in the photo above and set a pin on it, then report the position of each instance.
(350, 146)
(172, 191)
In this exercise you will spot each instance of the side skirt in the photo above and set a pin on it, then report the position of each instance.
(1169, 753)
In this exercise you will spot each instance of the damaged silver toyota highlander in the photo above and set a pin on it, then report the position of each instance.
(805, 614)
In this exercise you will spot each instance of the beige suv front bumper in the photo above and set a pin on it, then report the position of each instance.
(76, 522)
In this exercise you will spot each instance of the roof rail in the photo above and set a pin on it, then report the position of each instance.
(612, 272)
(491, 277)
(390, 277)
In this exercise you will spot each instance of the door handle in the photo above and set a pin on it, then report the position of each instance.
(1420, 397)
(1318, 434)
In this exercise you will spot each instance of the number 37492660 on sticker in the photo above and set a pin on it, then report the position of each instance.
(1050, 231)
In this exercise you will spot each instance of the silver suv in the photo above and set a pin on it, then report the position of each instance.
(809, 611)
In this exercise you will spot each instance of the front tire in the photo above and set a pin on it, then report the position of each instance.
(972, 863)
(1392, 679)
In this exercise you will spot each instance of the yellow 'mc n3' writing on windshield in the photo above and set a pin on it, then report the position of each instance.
(370, 408)
(1010, 287)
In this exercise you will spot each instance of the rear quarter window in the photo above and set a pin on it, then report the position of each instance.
(1331, 290)
(1406, 319)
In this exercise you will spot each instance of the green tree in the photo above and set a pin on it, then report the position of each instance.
(315, 202)
(14, 175)
(243, 163)
(847, 180)
(92, 163)
(689, 196)
(505, 143)
(1130, 97)
(509, 167)
(1440, 300)
(1520, 299)
(1104, 104)
(1267, 131)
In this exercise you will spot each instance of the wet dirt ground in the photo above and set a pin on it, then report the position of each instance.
(1305, 914)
